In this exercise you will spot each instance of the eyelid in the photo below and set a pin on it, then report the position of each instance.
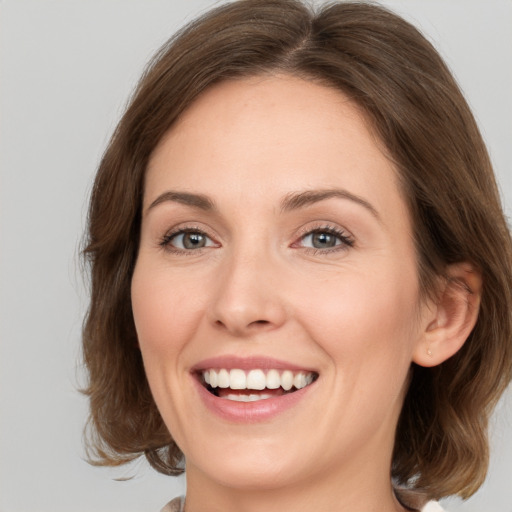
(169, 235)
(345, 237)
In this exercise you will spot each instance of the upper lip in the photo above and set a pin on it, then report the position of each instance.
(247, 363)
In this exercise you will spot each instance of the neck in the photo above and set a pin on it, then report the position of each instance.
(356, 491)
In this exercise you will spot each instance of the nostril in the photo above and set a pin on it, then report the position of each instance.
(239, 330)
(260, 322)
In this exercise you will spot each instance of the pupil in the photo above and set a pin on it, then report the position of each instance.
(193, 240)
(323, 240)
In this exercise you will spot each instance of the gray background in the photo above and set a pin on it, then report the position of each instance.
(66, 70)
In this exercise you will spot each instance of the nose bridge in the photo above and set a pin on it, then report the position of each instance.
(247, 298)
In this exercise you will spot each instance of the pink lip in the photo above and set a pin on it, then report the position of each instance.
(247, 412)
(247, 363)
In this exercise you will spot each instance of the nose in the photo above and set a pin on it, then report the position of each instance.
(249, 296)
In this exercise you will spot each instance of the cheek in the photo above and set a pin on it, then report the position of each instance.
(166, 317)
(164, 311)
(366, 319)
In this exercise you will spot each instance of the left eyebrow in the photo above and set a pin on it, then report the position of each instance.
(296, 200)
(199, 201)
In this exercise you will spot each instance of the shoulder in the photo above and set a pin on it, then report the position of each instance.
(413, 499)
(176, 505)
(432, 506)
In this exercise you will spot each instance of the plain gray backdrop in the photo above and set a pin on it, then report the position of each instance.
(66, 70)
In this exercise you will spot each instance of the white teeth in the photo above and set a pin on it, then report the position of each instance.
(299, 381)
(247, 398)
(237, 398)
(273, 379)
(237, 379)
(287, 380)
(256, 379)
(223, 379)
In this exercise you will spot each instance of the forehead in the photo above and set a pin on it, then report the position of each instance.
(270, 134)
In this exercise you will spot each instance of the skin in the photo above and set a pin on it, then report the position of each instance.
(351, 312)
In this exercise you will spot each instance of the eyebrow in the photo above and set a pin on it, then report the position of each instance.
(199, 201)
(292, 201)
(297, 200)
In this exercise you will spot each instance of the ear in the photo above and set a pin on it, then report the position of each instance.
(452, 317)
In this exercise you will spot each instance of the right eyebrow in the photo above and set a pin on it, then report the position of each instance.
(296, 200)
(199, 201)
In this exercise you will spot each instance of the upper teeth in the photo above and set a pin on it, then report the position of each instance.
(257, 379)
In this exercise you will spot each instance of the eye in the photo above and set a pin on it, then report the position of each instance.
(325, 239)
(321, 240)
(187, 240)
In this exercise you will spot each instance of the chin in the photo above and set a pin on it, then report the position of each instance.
(249, 468)
(246, 477)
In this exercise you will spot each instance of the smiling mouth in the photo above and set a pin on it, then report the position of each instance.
(253, 385)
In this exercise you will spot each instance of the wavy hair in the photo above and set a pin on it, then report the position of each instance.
(419, 114)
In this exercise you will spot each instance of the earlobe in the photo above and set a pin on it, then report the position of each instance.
(453, 316)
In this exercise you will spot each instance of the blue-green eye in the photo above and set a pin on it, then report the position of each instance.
(321, 240)
(187, 240)
(326, 238)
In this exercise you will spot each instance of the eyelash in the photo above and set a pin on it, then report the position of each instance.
(166, 241)
(346, 241)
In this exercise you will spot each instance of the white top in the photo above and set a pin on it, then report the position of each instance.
(432, 506)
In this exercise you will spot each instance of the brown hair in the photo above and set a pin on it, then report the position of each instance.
(398, 79)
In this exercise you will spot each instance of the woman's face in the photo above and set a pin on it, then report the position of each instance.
(276, 252)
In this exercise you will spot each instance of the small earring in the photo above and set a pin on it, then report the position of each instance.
(429, 352)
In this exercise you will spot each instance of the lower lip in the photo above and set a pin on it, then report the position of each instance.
(250, 412)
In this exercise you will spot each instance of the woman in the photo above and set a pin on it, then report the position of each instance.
(300, 267)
